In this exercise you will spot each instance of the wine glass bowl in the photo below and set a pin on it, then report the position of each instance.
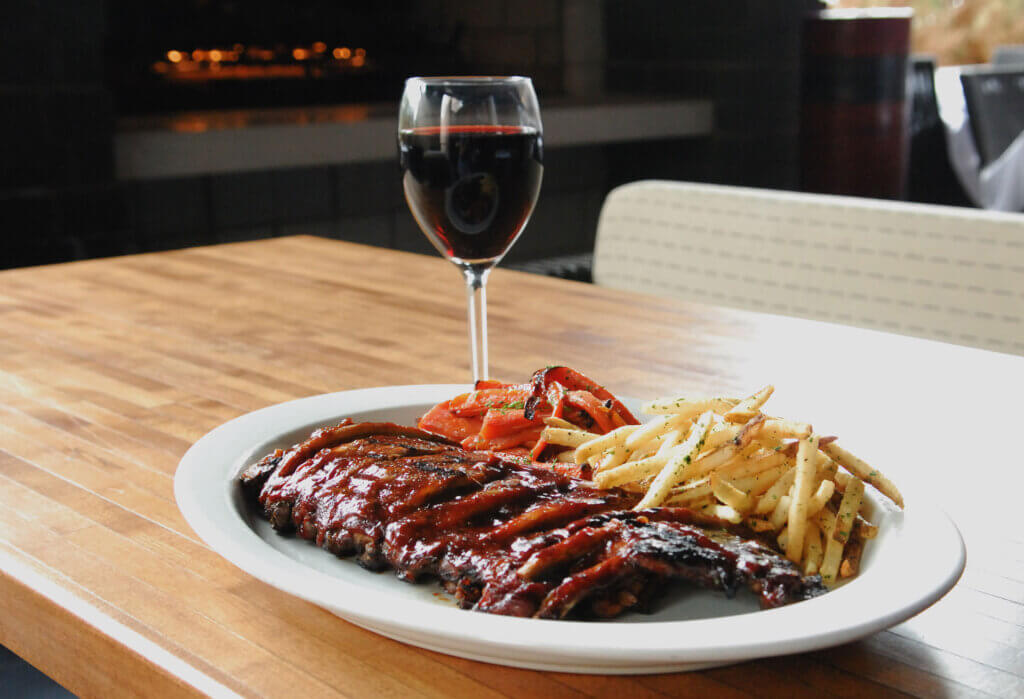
(471, 152)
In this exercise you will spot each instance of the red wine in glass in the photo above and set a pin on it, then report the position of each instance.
(471, 187)
(471, 155)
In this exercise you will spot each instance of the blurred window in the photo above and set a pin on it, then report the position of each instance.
(958, 32)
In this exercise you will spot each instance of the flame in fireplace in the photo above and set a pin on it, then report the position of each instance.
(240, 62)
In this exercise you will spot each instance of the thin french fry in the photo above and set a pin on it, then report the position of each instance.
(789, 448)
(612, 457)
(851, 558)
(778, 429)
(656, 428)
(829, 568)
(759, 482)
(830, 562)
(669, 440)
(821, 496)
(692, 406)
(749, 430)
(691, 491)
(567, 437)
(552, 421)
(684, 454)
(725, 457)
(770, 498)
(751, 450)
(754, 464)
(730, 494)
(707, 463)
(749, 406)
(806, 469)
(826, 520)
(629, 472)
(780, 514)
(813, 552)
(596, 446)
(865, 472)
(721, 434)
(853, 498)
(827, 468)
(645, 450)
(693, 503)
(652, 446)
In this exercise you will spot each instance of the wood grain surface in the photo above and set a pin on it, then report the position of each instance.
(111, 369)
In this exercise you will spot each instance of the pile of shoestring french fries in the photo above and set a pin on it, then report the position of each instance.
(725, 457)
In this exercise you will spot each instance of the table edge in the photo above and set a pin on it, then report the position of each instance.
(34, 602)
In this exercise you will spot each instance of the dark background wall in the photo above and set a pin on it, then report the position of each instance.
(59, 199)
(744, 55)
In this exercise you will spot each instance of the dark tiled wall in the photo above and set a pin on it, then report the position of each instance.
(58, 198)
(363, 202)
(743, 54)
(502, 37)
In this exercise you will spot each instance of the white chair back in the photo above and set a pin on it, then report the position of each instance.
(931, 271)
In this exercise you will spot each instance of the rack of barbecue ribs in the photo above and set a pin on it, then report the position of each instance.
(502, 537)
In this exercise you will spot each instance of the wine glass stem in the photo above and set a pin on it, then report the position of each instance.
(476, 308)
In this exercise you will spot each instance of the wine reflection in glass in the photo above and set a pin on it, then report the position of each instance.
(471, 152)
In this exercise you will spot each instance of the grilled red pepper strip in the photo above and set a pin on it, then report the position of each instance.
(515, 439)
(499, 423)
(509, 396)
(538, 449)
(440, 420)
(518, 438)
(576, 381)
(588, 403)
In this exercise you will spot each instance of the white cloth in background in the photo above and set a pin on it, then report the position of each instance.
(1000, 184)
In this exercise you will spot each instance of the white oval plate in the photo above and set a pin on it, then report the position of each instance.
(917, 557)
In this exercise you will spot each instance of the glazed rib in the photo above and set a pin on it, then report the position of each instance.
(503, 537)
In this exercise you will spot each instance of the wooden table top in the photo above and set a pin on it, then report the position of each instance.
(111, 369)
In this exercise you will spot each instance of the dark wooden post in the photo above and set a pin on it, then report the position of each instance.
(854, 110)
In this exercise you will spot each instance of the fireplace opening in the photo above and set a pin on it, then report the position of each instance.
(216, 54)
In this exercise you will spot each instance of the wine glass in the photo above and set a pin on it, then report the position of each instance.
(471, 151)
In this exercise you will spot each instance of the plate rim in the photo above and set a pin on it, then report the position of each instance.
(577, 646)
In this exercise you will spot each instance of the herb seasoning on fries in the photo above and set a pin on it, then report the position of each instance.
(727, 458)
